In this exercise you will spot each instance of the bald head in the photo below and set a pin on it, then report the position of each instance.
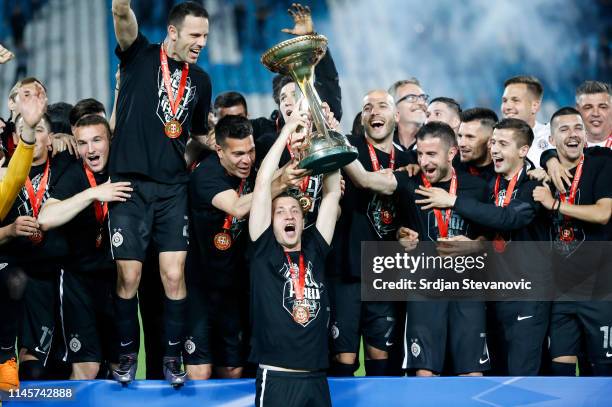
(378, 114)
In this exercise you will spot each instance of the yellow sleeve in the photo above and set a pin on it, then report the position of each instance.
(15, 177)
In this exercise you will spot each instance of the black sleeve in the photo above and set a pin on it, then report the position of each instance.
(603, 181)
(264, 246)
(130, 54)
(262, 126)
(199, 120)
(327, 84)
(206, 184)
(69, 184)
(547, 155)
(597, 151)
(319, 244)
(519, 213)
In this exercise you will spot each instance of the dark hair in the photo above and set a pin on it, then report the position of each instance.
(59, 114)
(290, 193)
(230, 126)
(357, 130)
(45, 117)
(533, 84)
(592, 87)
(522, 134)
(564, 111)
(278, 82)
(180, 11)
(230, 99)
(85, 107)
(487, 117)
(450, 102)
(437, 130)
(93, 120)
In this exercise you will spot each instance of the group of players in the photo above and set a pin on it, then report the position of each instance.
(256, 261)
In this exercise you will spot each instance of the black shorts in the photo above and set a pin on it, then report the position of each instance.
(217, 328)
(40, 306)
(352, 318)
(571, 320)
(155, 211)
(87, 315)
(520, 330)
(291, 389)
(431, 325)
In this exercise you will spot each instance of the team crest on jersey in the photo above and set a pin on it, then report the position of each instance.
(382, 215)
(190, 347)
(415, 348)
(75, 344)
(164, 111)
(335, 332)
(312, 296)
(117, 239)
(566, 235)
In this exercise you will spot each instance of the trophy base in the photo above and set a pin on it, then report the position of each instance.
(329, 159)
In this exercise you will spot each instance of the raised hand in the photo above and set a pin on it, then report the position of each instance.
(32, 104)
(5, 55)
(543, 195)
(302, 17)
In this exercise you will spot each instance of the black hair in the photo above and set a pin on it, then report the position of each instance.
(85, 107)
(278, 82)
(181, 10)
(230, 99)
(59, 114)
(230, 126)
(450, 102)
(564, 111)
(437, 130)
(533, 84)
(522, 134)
(486, 117)
(93, 120)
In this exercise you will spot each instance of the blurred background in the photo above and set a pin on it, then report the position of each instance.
(461, 49)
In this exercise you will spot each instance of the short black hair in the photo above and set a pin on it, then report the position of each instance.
(522, 134)
(437, 130)
(59, 114)
(85, 107)
(486, 117)
(229, 99)
(564, 111)
(593, 87)
(278, 82)
(231, 126)
(450, 102)
(181, 10)
(533, 84)
(93, 120)
(45, 118)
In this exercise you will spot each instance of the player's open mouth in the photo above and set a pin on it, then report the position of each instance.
(93, 160)
(288, 112)
(194, 52)
(377, 123)
(572, 144)
(290, 227)
(595, 122)
(498, 161)
(430, 171)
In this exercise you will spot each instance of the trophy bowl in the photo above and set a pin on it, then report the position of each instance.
(327, 150)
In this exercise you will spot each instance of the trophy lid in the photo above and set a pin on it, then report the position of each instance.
(296, 54)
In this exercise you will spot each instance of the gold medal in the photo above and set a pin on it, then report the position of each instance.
(222, 241)
(305, 202)
(301, 314)
(566, 233)
(173, 129)
(386, 217)
(36, 237)
(499, 244)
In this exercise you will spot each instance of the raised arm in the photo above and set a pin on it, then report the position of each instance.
(382, 182)
(328, 211)
(126, 26)
(261, 205)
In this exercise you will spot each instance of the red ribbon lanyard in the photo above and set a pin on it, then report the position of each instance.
(174, 103)
(473, 170)
(509, 190)
(306, 179)
(100, 208)
(574, 188)
(227, 223)
(609, 141)
(443, 221)
(374, 158)
(36, 197)
(297, 279)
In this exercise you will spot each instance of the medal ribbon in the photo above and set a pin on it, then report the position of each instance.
(36, 197)
(227, 223)
(509, 190)
(443, 221)
(609, 141)
(297, 280)
(374, 158)
(174, 103)
(574, 188)
(100, 207)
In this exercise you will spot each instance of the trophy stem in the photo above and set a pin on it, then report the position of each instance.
(314, 103)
